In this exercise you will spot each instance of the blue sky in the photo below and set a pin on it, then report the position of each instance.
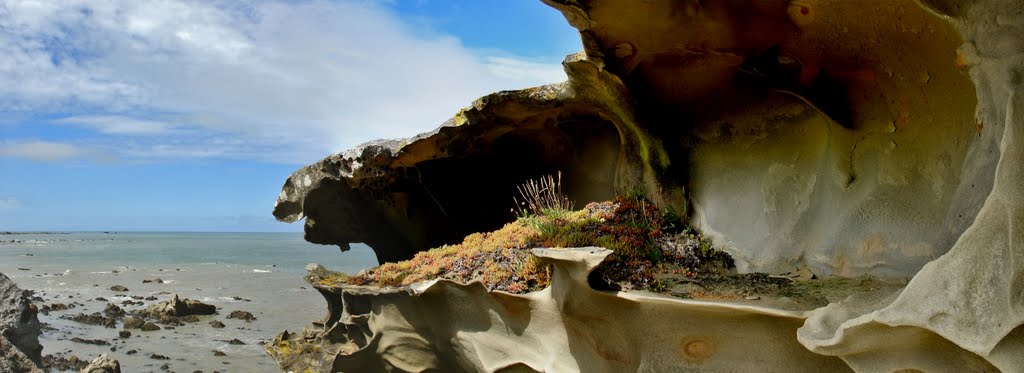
(180, 115)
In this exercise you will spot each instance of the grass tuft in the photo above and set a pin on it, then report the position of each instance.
(542, 197)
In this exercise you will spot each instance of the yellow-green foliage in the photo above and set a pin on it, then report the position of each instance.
(460, 262)
(501, 259)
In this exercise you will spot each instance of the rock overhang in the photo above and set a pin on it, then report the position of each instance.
(862, 137)
(794, 133)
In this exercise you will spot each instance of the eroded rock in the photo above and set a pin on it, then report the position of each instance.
(20, 350)
(846, 146)
(103, 364)
(180, 308)
(133, 323)
(844, 138)
(568, 327)
(242, 315)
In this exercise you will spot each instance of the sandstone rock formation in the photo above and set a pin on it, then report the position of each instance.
(19, 330)
(103, 364)
(791, 139)
(877, 137)
(569, 327)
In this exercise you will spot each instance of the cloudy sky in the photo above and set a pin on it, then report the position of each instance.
(176, 115)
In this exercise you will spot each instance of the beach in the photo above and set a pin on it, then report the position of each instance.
(259, 273)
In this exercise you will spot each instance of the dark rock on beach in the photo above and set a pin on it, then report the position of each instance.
(98, 342)
(113, 311)
(19, 330)
(181, 308)
(150, 327)
(93, 319)
(242, 315)
(118, 288)
(216, 324)
(63, 364)
(46, 308)
(133, 323)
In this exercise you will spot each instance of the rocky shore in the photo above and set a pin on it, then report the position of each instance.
(134, 316)
(135, 332)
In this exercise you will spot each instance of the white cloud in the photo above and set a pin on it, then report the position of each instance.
(40, 151)
(9, 203)
(292, 80)
(119, 125)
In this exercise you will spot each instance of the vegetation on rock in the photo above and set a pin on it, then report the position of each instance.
(644, 239)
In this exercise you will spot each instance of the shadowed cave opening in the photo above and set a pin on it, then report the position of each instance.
(451, 198)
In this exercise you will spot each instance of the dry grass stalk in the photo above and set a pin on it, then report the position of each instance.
(542, 196)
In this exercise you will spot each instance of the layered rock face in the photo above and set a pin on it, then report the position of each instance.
(19, 330)
(877, 137)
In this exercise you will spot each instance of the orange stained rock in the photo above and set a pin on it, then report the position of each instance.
(697, 349)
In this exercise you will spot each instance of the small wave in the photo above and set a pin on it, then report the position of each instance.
(262, 271)
(101, 272)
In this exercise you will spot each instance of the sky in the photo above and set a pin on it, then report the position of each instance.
(176, 115)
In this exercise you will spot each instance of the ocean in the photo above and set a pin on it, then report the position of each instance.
(256, 272)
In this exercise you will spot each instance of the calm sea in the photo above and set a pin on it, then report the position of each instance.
(263, 269)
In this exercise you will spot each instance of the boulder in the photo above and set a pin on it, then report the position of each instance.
(180, 308)
(102, 364)
(242, 315)
(113, 311)
(19, 330)
(133, 323)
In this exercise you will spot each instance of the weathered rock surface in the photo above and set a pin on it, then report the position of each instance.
(133, 323)
(103, 364)
(20, 350)
(242, 315)
(180, 308)
(879, 137)
(569, 327)
(400, 197)
(844, 145)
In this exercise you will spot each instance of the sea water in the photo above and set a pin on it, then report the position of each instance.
(263, 270)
